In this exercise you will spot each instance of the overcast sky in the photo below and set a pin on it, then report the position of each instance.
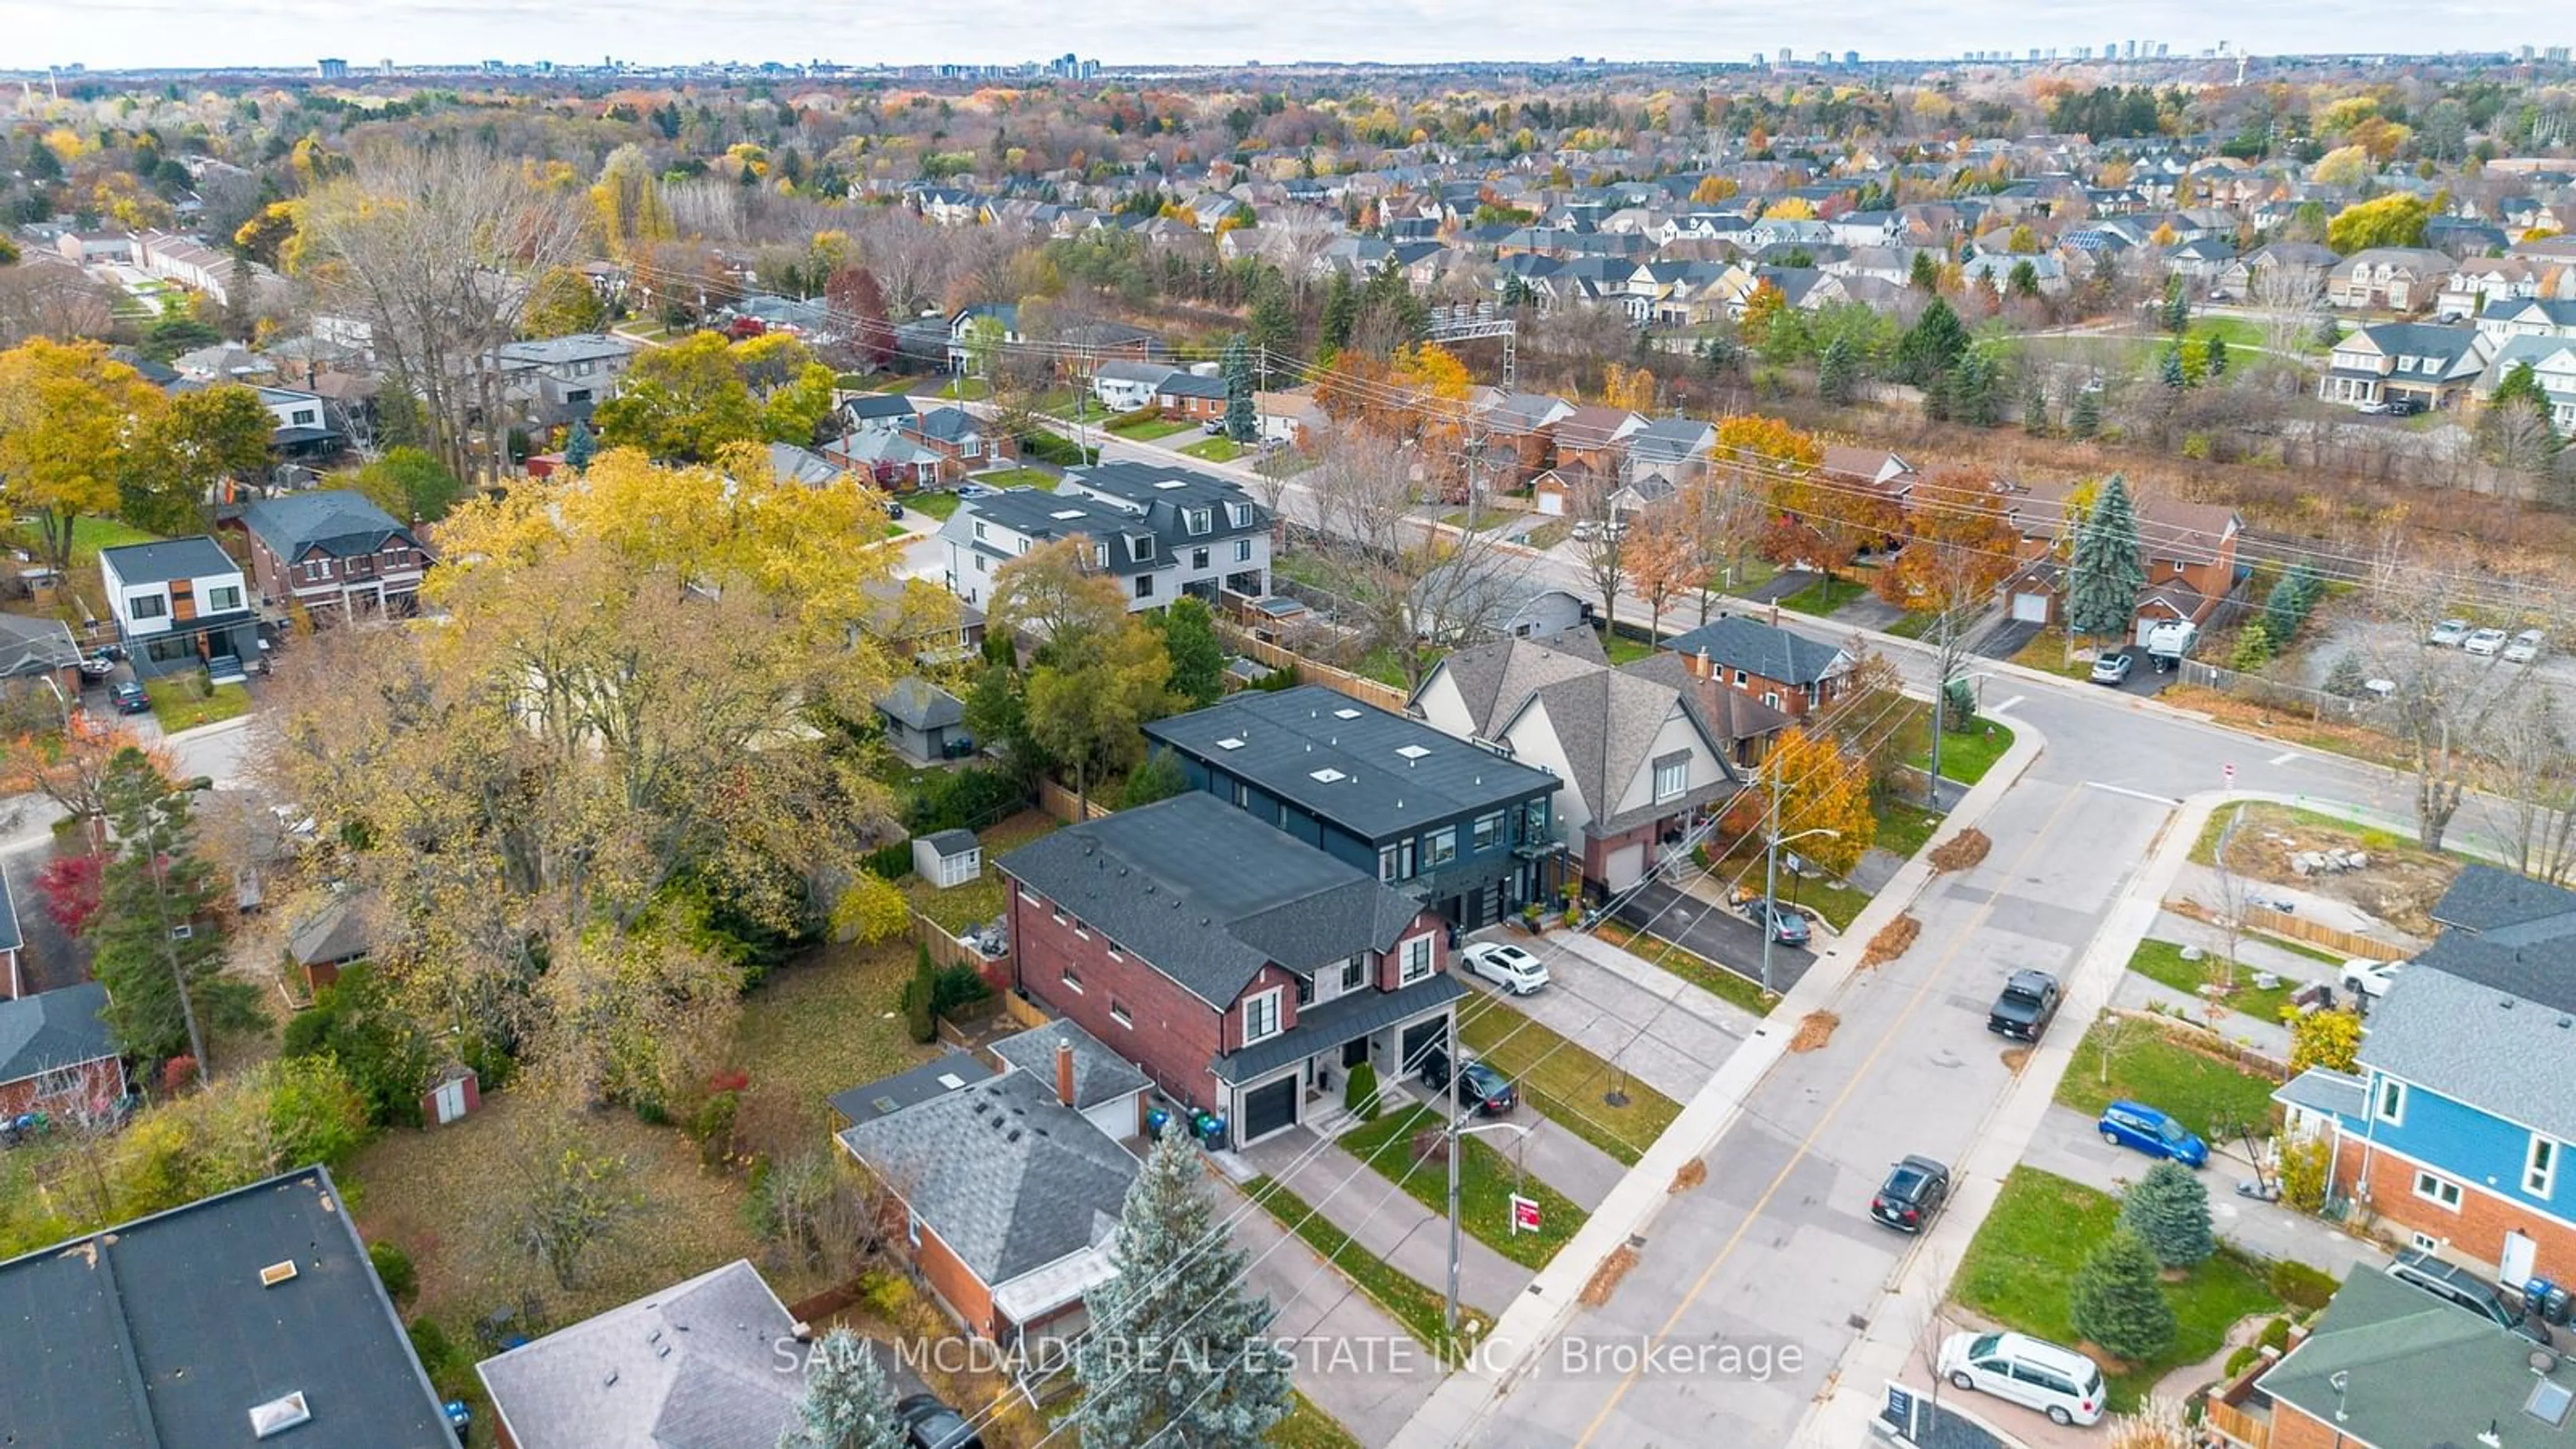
(139, 33)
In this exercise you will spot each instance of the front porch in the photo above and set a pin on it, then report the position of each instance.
(1298, 1077)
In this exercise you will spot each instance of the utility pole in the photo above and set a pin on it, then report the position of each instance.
(1450, 1144)
(1940, 700)
(1770, 876)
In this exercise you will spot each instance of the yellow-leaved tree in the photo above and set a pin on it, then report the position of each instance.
(71, 420)
(1822, 787)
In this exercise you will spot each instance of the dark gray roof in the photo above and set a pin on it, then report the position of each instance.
(2417, 1371)
(11, 937)
(1725, 714)
(1009, 1178)
(336, 522)
(177, 558)
(2488, 1048)
(919, 704)
(160, 1333)
(1322, 1028)
(53, 1029)
(951, 843)
(1379, 789)
(1183, 383)
(910, 1087)
(33, 646)
(863, 406)
(2487, 900)
(2323, 1089)
(1606, 723)
(949, 425)
(695, 1366)
(1099, 1074)
(1044, 516)
(1207, 895)
(343, 930)
(1736, 642)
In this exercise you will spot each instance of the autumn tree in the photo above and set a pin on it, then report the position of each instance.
(858, 303)
(563, 302)
(159, 951)
(1662, 560)
(69, 765)
(1098, 671)
(412, 485)
(2394, 220)
(74, 423)
(683, 403)
(1823, 787)
(1960, 545)
(186, 454)
(2329, 1039)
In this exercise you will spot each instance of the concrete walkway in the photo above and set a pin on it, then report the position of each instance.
(2252, 952)
(2140, 993)
(1388, 1373)
(1385, 1220)
(2200, 885)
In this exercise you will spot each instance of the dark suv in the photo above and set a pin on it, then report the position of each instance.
(2022, 1012)
(2455, 1284)
(1479, 1086)
(930, 1424)
(1915, 1189)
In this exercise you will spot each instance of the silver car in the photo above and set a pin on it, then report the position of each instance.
(2525, 647)
(2448, 633)
(2485, 643)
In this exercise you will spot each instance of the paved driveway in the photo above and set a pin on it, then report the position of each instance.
(1664, 1031)
(1712, 931)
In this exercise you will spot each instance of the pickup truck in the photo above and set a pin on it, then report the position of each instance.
(2023, 1010)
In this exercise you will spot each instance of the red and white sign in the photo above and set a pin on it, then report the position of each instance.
(2229, 772)
(1524, 1214)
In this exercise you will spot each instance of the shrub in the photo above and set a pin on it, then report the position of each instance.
(1359, 1092)
(2300, 1286)
(2241, 1360)
(712, 1125)
(2276, 1333)
(382, 1053)
(451, 1370)
(965, 799)
(2116, 1304)
(2303, 1172)
(920, 997)
(956, 986)
(394, 1269)
(893, 862)
(178, 1074)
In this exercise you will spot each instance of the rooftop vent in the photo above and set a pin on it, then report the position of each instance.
(279, 1415)
(1346, 714)
(276, 1273)
(1412, 752)
(951, 1080)
(1329, 775)
(1229, 743)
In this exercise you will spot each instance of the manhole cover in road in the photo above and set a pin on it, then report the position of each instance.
(1856, 1323)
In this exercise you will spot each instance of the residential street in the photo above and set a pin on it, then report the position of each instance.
(1668, 1033)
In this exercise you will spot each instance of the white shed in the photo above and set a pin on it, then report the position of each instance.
(948, 858)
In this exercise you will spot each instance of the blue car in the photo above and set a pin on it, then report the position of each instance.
(2134, 1124)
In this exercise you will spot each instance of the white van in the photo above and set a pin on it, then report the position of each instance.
(2059, 1382)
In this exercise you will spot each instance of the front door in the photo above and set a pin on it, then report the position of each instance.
(2519, 1251)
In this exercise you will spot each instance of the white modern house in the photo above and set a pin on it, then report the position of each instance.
(180, 604)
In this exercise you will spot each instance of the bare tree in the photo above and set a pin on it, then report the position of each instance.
(1722, 511)
(2228, 911)
(2535, 771)
(1601, 540)
(1419, 589)
(2446, 705)
(2290, 298)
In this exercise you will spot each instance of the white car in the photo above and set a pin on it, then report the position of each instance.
(2448, 633)
(1507, 966)
(2525, 647)
(2365, 977)
(2031, 1372)
(2485, 642)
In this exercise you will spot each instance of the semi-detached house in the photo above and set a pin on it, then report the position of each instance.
(1244, 972)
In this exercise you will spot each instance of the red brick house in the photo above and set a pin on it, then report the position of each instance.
(2189, 551)
(1243, 970)
(1191, 397)
(56, 1052)
(959, 441)
(1787, 672)
(334, 554)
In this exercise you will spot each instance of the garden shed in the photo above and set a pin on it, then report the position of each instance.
(948, 858)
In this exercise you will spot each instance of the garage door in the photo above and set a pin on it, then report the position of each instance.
(1552, 504)
(1620, 869)
(1268, 1108)
(2030, 608)
(1421, 1038)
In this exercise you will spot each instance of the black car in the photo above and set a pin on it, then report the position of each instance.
(1915, 1189)
(2023, 1011)
(893, 509)
(130, 698)
(930, 1424)
(1479, 1086)
(2457, 1285)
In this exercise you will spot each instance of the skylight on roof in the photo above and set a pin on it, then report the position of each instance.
(2549, 1402)
(1066, 513)
(1229, 743)
(1346, 714)
(1173, 483)
(1329, 775)
(279, 1415)
(1412, 752)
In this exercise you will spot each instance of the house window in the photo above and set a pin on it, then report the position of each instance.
(911, 1227)
(1243, 550)
(1771, 697)
(979, 530)
(1671, 777)
(1072, 978)
(1240, 513)
(1100, 555)
(1741, 679)
(1140, 548)
(1117, 955)
(1417, 961)
(1261, 1016)
(1118, 1014)
(223, 600)
(2438, 1190)
(1305, 991)
(1198, 558)
(1355, 972)
(303, 417)
(979, 564)
(1534, 822)
(2392, 1101)
(578, 395)
(146, 606)
(1144, 586)
(1242, 796)
(1441, 847)
(1059, 917)
(1200, 520)
(1489, 831)
(2540, 1166)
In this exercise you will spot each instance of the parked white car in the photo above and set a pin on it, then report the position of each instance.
(1507, 966)
(2525, 647)
(2448, 633)
(2365, 977)
(2031, 1372)
(2485, 643)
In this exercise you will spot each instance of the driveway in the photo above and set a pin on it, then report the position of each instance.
(51, 957)
(1712, 931)
(1652, 1024)
(2007, 638)
(1354, 1361)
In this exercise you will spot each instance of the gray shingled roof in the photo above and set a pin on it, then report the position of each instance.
(32, 646)
(177, 558)
(694, 1366)
(1606, 723)
(1009, 1178)
(2323, 1089)
(2487, 900)
(337, 522)
(341, 931)
(1099, 1074)
(53, 1029)
(2417, 1371)
(1207, 895)
(910, 1087)
(2489, 1048)
(1736, 642)
(1726, 714)
(919, 704)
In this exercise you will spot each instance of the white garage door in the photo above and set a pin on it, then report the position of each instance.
(2030, 608)
(1623, 865)
(1552, 504)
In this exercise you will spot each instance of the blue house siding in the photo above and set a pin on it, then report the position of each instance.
(2459, 1141)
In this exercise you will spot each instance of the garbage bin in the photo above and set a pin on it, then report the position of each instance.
(2535, 1296)
(2555, 1310)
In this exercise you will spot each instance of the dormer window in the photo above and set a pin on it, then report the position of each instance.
(1200, 520)
(1240, 514)
(1140, 547)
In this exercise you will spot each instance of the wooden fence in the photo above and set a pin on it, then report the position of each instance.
(1062, 803)
(1309, 671)
(2342, 943)
(947, 950)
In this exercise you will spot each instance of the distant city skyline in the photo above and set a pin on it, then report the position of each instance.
(164, 34)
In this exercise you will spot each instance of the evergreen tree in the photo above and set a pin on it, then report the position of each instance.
(2287, 606)
(1932, 346)
(2177, 308)
(2105, 574)
(1198, 659)
(1836, 373)
(2169, 1211)
(2115, 1303)
(1341, 312)
(2034, 409)
(158, 951)
(2084, 415)
(1273, 324)
(1175, 1347)
(2348, 678)
(1974, 386)
(1242, 425)
(580, 446)
(2214, 361)
(2169, 373)
(2253, 647)
(2023, 279)
(1925, 274)
(848, 1403)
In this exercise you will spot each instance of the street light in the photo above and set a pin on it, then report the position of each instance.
(1454, 1133)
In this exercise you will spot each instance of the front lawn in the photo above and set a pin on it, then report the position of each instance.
(941, 506)
(967, 389)
(1824, 596)
(2049, 653)
(1308, 1427)
(1146, 430)
(2162, 961)
(1422, 1311)
(1904, 827)
(1567, 1083)
(1732, 987)
(1623, 650)
(1967, 754)
(1549, 534)
(2020, 1272)
(2146, 1064)
(184, 704)
(1486, 1183)
(1018, 478)
(1218, 449)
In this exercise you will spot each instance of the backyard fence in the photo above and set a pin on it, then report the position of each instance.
(2316, 704)
(947, 950)
(1310, 671)
(2344, 943)
(1063, 804)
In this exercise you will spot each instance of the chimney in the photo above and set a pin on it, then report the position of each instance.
(1700, 666)
(1064, 1069)
(1775, 613)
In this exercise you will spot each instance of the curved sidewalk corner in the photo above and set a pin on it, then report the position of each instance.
(1461, 1406)
(1883, 1351)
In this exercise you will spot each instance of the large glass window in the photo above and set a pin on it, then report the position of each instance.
(1441, 847)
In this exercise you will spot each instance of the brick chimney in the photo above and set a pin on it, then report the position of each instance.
(1699, 666)
(1064, 1071)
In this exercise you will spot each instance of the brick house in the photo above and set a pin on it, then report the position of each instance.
(1788, 672)
(959, 442)
(1243, 971)
(2189, 551)
(55, 1048)
(334, 554)
(1191, 397)
(2454, 1130)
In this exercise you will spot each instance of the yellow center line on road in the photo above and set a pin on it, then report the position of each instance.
(1832, 1110)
